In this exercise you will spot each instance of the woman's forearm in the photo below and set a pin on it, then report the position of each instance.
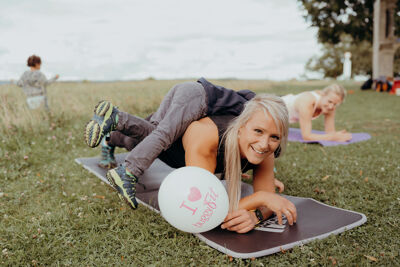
(255, 200)
(318, 137)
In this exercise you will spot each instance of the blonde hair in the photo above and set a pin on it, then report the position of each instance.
(271, 105)
(335, 88)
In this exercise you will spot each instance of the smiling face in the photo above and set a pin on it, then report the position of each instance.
(258, 138)
(330, 102)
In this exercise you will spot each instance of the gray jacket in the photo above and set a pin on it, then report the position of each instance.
(34, 83)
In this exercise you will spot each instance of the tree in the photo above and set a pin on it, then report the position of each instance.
(337, 21)
(334, 18)
(330, 63)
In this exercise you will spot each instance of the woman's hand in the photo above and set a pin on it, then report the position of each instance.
(278, 184)
(342, 136)
(281, 205)
(240, 221)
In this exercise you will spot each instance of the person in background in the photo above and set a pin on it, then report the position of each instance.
(307, 106)
(34, 83)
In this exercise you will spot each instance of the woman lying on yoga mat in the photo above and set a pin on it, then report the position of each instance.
(307, 106)
(249, 141)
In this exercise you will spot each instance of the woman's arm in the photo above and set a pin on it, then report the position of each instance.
(330, 122)
(200, 143)
(340, 136)
(264, 192)
(304, 105)
(263, 180)
(244, 220)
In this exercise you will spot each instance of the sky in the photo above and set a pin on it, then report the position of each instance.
(132, 39)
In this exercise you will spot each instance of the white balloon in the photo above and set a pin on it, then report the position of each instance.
(193, 200)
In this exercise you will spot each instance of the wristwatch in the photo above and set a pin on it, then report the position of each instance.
(259, 215)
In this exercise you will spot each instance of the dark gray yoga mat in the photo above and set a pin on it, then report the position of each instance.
(315, 219)
(295, 135)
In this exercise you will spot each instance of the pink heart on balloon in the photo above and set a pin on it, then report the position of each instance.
(194, 194)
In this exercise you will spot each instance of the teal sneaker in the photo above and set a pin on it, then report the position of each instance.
(107, 156)
(104, 121)
(125, 183)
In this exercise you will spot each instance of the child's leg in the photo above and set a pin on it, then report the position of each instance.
(184, 104)
(180, 91)
(107, 156)
(118, 139)
(130, 130)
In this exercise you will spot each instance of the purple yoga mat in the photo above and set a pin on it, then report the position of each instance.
(295, 136)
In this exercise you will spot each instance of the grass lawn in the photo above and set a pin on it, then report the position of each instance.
(53, 212)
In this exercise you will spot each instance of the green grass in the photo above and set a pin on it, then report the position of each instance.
(53, 212)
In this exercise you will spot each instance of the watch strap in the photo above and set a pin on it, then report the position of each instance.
(259, 215)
